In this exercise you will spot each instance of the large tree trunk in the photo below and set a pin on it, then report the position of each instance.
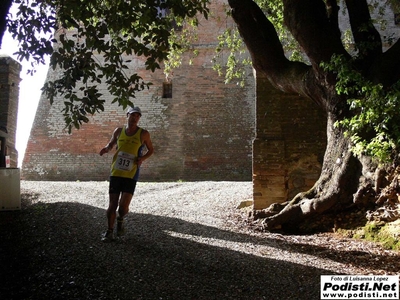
(344, 179)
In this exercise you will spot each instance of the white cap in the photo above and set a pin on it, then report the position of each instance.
(132, 110)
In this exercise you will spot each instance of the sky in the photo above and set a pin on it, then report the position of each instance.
(29, 95)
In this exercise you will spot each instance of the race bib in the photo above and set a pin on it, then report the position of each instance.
(125, 161)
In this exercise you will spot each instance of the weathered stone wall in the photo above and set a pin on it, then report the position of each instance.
(203, 132)
(289, 145)
(9, 92)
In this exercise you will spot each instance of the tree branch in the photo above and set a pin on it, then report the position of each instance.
(386, 68)
(310, 22)
(333, 12)
(266, 50)
(366, 37)
(259, 35)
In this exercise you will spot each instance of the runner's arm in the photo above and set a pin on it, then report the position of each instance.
(112, 141)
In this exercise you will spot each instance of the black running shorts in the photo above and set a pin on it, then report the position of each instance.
(122, 185)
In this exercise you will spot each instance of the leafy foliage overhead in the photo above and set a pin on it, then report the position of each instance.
(74, 32)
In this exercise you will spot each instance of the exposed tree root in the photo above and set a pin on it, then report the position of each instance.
(377, 197)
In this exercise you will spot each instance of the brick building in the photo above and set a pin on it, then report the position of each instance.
(203, 131)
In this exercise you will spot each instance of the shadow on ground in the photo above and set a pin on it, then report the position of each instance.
(53, 251)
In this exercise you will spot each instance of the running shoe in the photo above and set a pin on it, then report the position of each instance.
(108, 236)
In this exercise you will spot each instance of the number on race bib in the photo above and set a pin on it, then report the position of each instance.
(125, 161)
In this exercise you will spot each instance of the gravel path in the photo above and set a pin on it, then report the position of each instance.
(184, 241)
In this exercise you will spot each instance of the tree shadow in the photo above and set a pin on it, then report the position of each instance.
(53, 251)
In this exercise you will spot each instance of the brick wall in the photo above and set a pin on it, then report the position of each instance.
(9, 92)
(289, 145)
(203, 132)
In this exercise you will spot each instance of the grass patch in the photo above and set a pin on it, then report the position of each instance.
(387, 234)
